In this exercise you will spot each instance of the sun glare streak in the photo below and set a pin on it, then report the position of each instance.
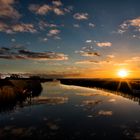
(123, 74)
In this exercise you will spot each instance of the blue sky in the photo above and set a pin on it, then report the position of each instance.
(69, 37)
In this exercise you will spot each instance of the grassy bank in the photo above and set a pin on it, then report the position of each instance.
(17, 91)
(127, 88)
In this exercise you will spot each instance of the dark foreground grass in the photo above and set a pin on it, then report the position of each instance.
(13, 92)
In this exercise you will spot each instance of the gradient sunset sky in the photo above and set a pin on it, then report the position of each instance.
(70, 38)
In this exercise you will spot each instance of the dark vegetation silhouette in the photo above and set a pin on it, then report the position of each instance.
(125, 87)
(13, 92)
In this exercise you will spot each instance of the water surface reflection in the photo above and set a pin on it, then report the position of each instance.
(71, 112)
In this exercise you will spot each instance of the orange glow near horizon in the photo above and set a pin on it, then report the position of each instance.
(121, 72)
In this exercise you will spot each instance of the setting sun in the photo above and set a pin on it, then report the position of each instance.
(122, 73)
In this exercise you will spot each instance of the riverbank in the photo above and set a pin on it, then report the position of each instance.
(124, 86)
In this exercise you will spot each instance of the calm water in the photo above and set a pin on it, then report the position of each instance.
(71, 112)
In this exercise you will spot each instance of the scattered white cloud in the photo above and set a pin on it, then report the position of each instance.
(57, 3)
(88, 51)
(43, 25)
(126, 25)
(53, 32)
(44, 9)
(91, 25)
(45, 39)
(7, 9)
(133, 59)
(17, 28)
(23, 28)
(13, 40)
(68, 9)
(81, 16)
(76, 25)
(3, 27)
(104, 44)
(110, 56)
(41, 10)
(88, 41)
(7, 1)
(135, 22)
(120, 31)
(58, 11)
